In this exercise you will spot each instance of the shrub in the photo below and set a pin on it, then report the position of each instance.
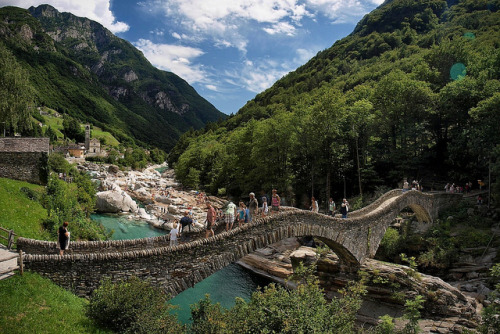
(389, 246)
(31, 194)
(132, 306)
(491, 320)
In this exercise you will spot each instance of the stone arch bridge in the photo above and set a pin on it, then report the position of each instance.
(177, 268)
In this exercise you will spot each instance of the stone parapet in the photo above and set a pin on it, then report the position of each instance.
(177, 268)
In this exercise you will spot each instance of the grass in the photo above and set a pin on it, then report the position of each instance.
(33, 304)
(18, 212)
(56, 123)
(108, 137)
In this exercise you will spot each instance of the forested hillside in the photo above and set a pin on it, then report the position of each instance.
(413, 92)
(78, 68)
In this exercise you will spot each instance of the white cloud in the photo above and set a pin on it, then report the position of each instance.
(258, 75)
(97, 10)
(281, 28)
(342, 11)
(229, 23)
(157, 32)
(174, 58)
(212, 87)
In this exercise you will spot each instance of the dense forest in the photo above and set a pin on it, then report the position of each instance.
(413, 92)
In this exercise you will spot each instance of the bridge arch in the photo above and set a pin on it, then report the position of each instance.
(178, 268)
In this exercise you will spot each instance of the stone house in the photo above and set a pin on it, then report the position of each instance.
(94, 147)
(77, 151)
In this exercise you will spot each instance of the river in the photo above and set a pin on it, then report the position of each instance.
(223, 286)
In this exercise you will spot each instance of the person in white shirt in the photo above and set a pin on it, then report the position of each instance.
(173, 235)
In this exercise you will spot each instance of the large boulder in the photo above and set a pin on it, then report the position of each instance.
(114, 201)
(163, 199)
(143, 195)
(113, 169)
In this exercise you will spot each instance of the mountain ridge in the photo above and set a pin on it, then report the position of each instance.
(98, 77)
(406, 94)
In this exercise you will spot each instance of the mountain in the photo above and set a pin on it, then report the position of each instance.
(412, 92)
(80, 68)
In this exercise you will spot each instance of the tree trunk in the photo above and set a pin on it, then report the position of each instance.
(359, 168)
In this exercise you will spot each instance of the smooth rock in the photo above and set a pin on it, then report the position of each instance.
(114, 201)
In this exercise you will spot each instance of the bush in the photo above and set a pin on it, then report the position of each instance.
(31, 194)
(278, 310)
(132, 306)
(389, 246)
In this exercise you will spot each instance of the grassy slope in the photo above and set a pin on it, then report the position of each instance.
(56, 123)
(32, 304)
(18, 212)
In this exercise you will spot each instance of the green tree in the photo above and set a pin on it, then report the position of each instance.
(278, 310)
(51, 134)
(72, 129)
(16, 94)
(132, 306)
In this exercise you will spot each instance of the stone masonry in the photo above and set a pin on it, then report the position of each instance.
(24, 159)
(177, 268)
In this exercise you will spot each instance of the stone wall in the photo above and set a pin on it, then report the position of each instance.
(178, 268)
(24, 159)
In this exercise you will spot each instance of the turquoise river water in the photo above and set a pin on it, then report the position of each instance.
(223, 286)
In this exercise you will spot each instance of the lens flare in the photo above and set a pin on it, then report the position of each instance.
(458, 71)
(469, 35)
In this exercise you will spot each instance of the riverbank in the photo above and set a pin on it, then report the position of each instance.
(151, 195)
(388, 286)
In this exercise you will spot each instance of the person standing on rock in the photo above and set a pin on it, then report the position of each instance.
(253, 206)
(211, 218)
(230, 214)
(63, 238)
(344, 208)
(186, 221)
(275, 202)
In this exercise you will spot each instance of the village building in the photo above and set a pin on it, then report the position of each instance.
(94, 147)
(77, 151)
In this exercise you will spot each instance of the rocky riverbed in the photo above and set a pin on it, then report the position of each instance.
(447, 309)
(146, 195)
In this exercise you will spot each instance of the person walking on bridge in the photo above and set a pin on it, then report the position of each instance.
(253, 206)
(344, 208)
(211, 218)
(275, 202)
(230, 214)
(331, 207)
(63, 237)
(314, 205)
(185, 222)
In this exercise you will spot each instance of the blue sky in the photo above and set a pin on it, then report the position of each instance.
(228, 50)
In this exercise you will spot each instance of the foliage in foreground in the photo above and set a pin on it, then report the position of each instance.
(491, 313)
(278, 310)
(32, 304)
(132, 306)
